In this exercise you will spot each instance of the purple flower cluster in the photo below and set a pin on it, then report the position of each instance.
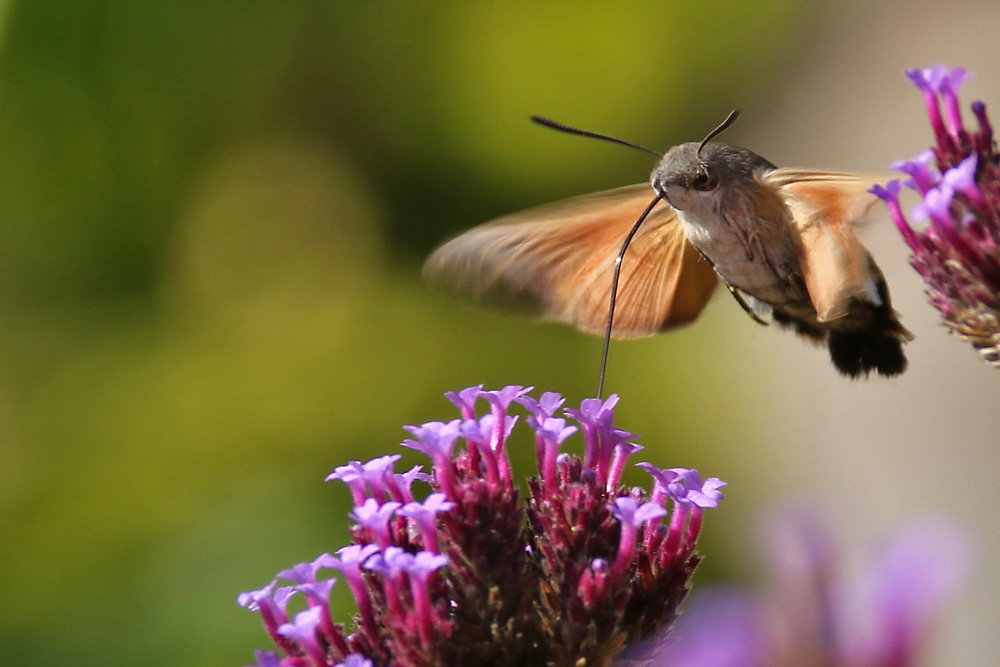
(470, 576)
(958, 179)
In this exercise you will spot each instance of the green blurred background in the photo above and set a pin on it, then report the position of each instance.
(212, 220)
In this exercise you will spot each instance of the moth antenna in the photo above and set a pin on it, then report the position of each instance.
(569, 129)
(730, 119)
(614, 292)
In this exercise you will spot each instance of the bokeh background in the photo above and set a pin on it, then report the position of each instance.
(212, 220)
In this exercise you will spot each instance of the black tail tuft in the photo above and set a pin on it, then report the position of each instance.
(857, 353)
(872, 338)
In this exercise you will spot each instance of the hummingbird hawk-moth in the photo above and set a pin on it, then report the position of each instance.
(630, 262)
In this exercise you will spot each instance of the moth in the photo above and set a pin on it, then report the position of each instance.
(646, 258)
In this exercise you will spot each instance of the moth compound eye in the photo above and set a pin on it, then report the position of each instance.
(706, 180)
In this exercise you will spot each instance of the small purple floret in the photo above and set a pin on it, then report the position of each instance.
(424, 515)
(465, 400)
(303, 630)
(437, 441)
(376, 518)
(352, 475)
(919, 169)
(687, 488)
(632, 515)
(545, 407)
(355, 660)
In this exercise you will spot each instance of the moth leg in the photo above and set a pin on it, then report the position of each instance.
(736, 294)
(744, 305)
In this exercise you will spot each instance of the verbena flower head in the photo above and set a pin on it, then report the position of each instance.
(958, 249)
(814, 615)
(471, 576)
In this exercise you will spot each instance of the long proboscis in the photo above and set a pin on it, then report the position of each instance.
(614, 292)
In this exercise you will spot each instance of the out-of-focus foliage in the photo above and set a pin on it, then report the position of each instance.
(212, 216)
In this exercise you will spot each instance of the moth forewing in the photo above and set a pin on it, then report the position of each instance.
(556, 261)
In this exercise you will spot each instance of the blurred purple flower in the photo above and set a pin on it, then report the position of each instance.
(813, 616)
(471, 576)
(958, 251)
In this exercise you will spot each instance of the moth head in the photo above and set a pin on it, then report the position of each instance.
(691, 172)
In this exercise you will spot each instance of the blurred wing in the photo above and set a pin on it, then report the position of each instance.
(556, 262)
(826, 206)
